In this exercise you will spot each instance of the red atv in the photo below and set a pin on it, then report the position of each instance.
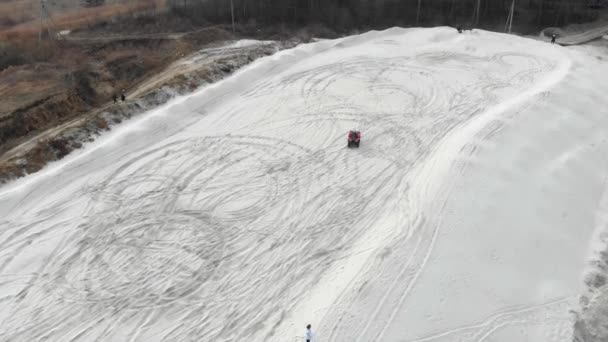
(354, 137)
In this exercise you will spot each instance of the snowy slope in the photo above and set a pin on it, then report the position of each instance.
(238, 214)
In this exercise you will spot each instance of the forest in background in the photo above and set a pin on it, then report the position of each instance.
(349, 14)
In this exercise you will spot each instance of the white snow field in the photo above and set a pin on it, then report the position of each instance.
(238, 214)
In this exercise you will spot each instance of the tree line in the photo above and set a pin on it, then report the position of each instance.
(347, 14)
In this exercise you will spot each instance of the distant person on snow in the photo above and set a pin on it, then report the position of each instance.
(553, 39)
(309, 334)
(459, 28)
(114, 97)
(122, 96)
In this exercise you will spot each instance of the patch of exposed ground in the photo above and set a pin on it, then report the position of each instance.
(592, 320)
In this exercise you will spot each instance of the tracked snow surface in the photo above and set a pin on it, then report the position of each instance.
(469, 212)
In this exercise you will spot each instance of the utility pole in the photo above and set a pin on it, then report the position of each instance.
(41, 20)
(477, 14)
(232, 13)
(512, 14)
(509, 22)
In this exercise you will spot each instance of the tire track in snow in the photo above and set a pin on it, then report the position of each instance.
(458, 138)
(212, 229)
(447, 123)
(479, 331)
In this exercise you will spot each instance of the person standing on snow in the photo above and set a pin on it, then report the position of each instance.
(553, 39)
(309, 334)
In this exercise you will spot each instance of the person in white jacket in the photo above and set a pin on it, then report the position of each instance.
(308, 334)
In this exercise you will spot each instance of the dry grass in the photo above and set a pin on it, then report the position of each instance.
(71, 19)
(23, 90)
(15, 12)
(9, 170)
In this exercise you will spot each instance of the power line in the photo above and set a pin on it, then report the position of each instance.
(50, 28)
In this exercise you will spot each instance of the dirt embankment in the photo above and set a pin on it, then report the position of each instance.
(58, 95)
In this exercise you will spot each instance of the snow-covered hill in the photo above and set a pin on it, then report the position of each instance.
(238, 213)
